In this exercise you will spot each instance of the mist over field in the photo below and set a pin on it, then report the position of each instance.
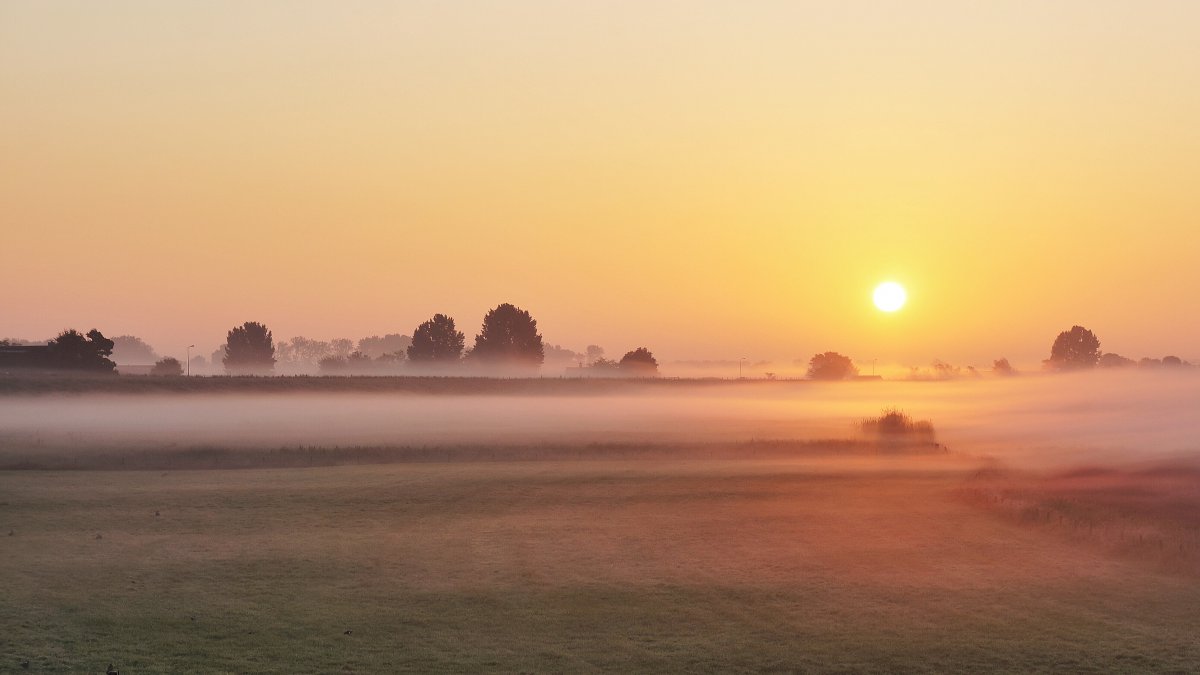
(1034, 421)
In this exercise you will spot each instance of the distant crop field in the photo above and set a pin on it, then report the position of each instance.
(829, 564)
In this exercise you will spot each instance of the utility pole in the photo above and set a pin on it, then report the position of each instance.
(189, 360)
(740, 362)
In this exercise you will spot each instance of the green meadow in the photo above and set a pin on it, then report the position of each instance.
(861, 563)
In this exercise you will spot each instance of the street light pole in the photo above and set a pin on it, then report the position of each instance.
(189, 360)
(740, 362)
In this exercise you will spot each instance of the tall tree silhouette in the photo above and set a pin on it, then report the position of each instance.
(436, 343)
(249, 350)
(509, 339)
(72, 350)
(1074, 349)
(831, 366)
(639, 362)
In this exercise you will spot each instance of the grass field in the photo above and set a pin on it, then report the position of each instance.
(840, 564)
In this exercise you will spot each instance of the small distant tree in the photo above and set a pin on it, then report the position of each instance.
(332, 365)
(1172, 362)
(831, 366)
(603, 367)
(594, 353)
(1003, 367)
(131, 350)
(391, 343)
(390, 363)
(1111, 360)
(168, 367)
(1147, 362)
(509, 339)
(249, 350)
(560, 357)
(72, 350)
(358, 363)
(436, 343)
(1074, 349)
(639, 363)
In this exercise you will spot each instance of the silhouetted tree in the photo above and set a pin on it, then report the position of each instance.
(167, 367)
(1147, 362)
(594, 353)
(1172, 362)
(72, 350)
(1074, 349)
(639, 363)
(249, 350)
(390, 363)
(130, 350)
(509, 339)
(831, 366)
(436, 343)
(332, 365)
(391, 343)
(560, 357)
(1003, 367)
(1111, 360)
(603, 367)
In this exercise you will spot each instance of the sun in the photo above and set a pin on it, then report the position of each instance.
(890, 296)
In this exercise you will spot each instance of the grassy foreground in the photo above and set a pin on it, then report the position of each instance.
(844, 565)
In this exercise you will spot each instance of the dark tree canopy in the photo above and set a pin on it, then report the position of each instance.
(1074, 349)
(436, 343)
(509, 338)
(831, 366)
(130, 350)
(639, 363)
(72, 350)
(249, 350)
(169, 366)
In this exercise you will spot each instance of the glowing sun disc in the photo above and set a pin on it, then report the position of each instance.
(890, 296)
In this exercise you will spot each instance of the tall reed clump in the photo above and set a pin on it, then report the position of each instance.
(895, 423)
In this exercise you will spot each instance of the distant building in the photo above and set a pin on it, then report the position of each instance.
(23, 356)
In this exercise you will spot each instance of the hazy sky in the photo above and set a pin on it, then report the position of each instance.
(711, 180)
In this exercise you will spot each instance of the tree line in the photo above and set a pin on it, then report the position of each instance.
(508, 343)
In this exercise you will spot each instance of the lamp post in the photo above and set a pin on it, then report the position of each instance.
(189, 360)
(740, 362)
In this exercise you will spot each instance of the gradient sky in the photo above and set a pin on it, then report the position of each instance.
(709, 179)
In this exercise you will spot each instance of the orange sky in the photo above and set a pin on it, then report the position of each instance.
(711, 180)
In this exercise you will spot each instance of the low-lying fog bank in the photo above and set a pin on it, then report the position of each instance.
(1034, 421)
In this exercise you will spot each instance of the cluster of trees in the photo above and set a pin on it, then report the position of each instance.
(1079, 348)
(508, 343)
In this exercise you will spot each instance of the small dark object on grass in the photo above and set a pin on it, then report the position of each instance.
(112, 670)
(99, 536)
(11, 533)
(156, 514)
(25, 663)
(347, 632)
